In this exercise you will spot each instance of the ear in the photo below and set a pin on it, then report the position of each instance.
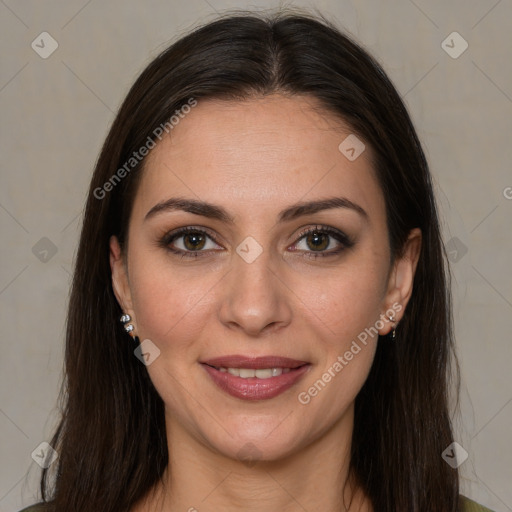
(400, 283)
(120, 282)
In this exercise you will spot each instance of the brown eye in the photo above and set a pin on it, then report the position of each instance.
(317, 241)
(194, 241)
(189, 241)
(322, 241)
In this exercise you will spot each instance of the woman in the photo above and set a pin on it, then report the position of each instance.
(262, 220)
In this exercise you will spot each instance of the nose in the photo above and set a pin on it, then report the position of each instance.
(254, 298)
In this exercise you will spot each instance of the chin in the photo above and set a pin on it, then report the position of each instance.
(258, 443)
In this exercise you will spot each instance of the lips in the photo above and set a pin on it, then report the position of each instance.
(228, 374)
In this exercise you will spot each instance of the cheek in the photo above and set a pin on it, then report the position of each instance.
(170, 303)
(346, 309)
(331, 392)
(344, 302)
(343, 309)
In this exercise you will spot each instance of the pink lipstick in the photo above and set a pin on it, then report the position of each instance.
(255, 378)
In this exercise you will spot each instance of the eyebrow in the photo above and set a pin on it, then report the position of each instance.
(212, 211)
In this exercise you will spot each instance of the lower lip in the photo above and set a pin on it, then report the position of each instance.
(253, 388)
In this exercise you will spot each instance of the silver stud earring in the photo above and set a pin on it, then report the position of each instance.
(127, 326)
(393, 332)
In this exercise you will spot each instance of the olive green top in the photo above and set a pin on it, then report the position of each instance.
(469, 506)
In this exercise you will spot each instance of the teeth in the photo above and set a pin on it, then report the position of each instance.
(261, 373)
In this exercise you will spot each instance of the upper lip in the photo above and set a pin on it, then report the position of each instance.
(255, 363)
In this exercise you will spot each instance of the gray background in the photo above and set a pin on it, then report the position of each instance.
(55, 115)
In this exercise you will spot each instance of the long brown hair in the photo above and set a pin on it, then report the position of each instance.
(111, 438)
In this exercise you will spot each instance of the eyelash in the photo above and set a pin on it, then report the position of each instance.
(345, 241)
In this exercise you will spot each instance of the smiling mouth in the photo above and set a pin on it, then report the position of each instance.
(255, 378)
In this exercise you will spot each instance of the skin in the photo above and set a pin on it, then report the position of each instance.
(255, 158)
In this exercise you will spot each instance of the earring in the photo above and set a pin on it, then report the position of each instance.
(127, 326)
(393, 332)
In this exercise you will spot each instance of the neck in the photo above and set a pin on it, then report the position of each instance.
(314, 478)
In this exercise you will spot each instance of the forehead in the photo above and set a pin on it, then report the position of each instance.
(258, 152)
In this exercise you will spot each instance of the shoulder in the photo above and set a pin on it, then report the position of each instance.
(471, 506)
(34, 508)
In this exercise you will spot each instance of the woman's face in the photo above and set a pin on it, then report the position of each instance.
(268, 268)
